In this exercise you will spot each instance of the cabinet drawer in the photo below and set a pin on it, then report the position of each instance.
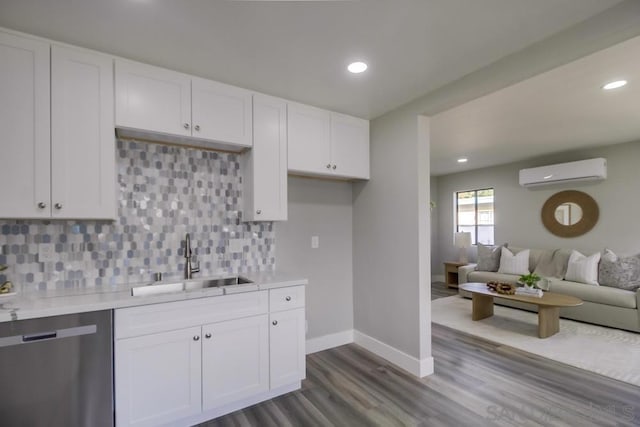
(286, 298)
(153, 318)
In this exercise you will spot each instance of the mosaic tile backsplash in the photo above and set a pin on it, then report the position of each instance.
(164, 192)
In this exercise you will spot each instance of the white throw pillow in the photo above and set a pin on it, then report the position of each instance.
(514, 264)
(583, 269)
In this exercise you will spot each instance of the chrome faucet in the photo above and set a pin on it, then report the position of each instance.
(188, 268)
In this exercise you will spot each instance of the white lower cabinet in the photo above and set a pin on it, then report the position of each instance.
(158, 377)
(181, 363)
(287, 347)
(235, 360)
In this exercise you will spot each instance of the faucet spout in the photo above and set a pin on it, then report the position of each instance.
(188, 267)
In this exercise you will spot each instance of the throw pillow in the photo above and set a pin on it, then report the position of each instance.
(488, 257)
(616, 272)
(514, 264)
(583, 269)
(553, 265)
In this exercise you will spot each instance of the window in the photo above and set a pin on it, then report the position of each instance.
(474, 213)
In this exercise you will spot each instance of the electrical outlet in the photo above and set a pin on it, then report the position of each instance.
(46, 252)
(315, 242)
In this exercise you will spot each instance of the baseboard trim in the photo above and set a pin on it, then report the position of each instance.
(419, 368)
(329, 341)
(437, 278)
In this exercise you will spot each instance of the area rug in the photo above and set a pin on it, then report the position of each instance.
(606, 351)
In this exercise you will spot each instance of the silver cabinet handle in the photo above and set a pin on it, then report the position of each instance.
(197, 127)
(328, 166)
(288, 298)
(334, 167)
(58, 206)
(42, 205)
(196, 338)
(207, 336)
(274, 323)
(186, 125)
(258, 212)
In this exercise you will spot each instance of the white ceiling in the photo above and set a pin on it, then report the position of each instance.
(299, 50)
(560, 110)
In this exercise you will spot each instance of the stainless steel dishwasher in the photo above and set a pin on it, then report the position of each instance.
(57, 371)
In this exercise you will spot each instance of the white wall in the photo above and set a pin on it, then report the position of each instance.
(517, 209)
(320, 208)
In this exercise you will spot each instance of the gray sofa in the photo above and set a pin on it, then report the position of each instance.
(603, 305)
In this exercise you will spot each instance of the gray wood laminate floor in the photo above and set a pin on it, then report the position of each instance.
(476, 383)
(440, 290)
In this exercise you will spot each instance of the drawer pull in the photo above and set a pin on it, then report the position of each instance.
(288, 298)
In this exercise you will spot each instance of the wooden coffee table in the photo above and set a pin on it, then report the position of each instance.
(548, 306)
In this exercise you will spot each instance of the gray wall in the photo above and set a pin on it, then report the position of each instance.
(517, 209)
(324, 209)
(391, 236)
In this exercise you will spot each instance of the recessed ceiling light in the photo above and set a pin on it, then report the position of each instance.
(463, 160)
(357, 67)
(614, 85)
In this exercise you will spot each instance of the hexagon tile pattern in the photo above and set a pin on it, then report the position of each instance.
(164, 192)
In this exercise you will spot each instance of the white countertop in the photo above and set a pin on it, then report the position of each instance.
(34, 304)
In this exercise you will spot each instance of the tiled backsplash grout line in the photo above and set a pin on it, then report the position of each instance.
(164, 192)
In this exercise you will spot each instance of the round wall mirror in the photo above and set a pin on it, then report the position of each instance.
(570, 213)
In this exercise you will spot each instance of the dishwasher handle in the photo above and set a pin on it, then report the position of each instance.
(48, 335)
(39, 336)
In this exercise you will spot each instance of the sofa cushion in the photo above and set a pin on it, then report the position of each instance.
(595, 294)
(617, 272)
(514, 264)
(553, 263)
(487, 276)
(534, 255)
(489, 257)
(583, 269)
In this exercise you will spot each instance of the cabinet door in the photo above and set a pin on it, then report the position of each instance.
(235, 360)
(265, 165)
(25, 128)
(158, 378)
(82, 135)
(221, 112)
(287, 347)
(349, 146)
(153, 99)
(309, 132)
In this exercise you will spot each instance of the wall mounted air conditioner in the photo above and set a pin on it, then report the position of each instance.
(583, 170)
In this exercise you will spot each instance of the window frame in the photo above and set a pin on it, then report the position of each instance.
(475, 212)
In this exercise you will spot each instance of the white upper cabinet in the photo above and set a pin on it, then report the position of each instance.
(25, 128)
(349, 146)
(221, 112)
(323, 143)
(152, 98)
(265, 166)
(58, 145)
(82, 135)
(309, 139)
(162, 102)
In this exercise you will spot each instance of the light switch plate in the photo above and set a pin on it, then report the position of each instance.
(46, 252)
(315, 242)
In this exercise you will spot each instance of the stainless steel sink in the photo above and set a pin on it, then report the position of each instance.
(191, 285)
(210, 283)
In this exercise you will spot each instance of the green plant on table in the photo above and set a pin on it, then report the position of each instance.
(6, 286)
(530, 279)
